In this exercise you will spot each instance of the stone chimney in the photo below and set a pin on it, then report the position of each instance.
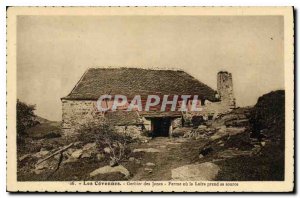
(225, 88)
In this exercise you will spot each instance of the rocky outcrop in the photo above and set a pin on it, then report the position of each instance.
(108, 169)
(146, 150)
(196, 172)
(268, 115)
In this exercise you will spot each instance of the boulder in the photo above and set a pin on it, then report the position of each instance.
(86, 155)
(107, 150)
(88, 150)
(131, 159)
(222, 129)
(24, 157)
(77, 153)
(196, 172)
(237, 123)
(49, 164)
(113, 162)
(216, 136)
(149, 170)
(89, 146)
(150, 164)
(70, 159)
(100, 157)
(41, 154)
(70, 151)
(146, 150)
(177, 122)
(108, 169)
(202, 127)
(231, 153)
(235, 130)
(181, 131)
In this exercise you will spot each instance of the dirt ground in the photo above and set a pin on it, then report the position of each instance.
(173, 153)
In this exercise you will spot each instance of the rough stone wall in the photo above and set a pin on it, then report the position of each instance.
(135, 131)
(76, 113)
(225, 89)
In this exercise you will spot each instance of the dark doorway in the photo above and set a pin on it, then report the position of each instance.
(160, 127)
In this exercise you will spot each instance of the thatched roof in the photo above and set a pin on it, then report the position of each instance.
(135, 81)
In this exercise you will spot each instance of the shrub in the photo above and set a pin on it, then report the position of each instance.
(25, 118)
(105, 135)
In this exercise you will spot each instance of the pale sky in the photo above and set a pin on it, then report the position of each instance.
(54, 51)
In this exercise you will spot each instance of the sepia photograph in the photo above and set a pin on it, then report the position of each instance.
(150, 99)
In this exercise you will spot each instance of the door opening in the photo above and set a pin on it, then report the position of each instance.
(160, 127)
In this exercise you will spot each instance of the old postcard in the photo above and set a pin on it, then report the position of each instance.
(141, 99)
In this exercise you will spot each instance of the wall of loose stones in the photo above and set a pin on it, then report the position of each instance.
(76, 113)
(213, 109)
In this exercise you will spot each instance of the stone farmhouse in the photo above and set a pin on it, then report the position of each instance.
(79, 107)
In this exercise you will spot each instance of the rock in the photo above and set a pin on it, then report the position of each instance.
(86, 155)
(107, 150)
(24, 157)
(145, 141)
(181, 140)
(41, 154)
(235, 130)
(89, 146)
(237, 123)
(257, 145)
(88, 150)
(137, 161)
(113, 162)
(196, 172)
(77, 143)
(231, 153)
(131, 159)
(202, 127)
(206, 150)
(45, 165)
(176, 123)
(201, 156)
(222, 129)
(43, 149)
(100, 157)
(146, 150)
(149, 170)
(180, 131)
(77, 153)
(108, 169)
(70, 160)
(215, 137)
(150, 164)
(70, 151)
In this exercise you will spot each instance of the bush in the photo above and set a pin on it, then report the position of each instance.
(25, 118)
(105, 135)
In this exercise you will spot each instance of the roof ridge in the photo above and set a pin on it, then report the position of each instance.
(136, 67)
